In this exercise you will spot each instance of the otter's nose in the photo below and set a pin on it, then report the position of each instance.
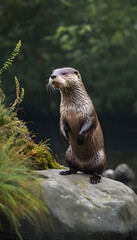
(53, 76)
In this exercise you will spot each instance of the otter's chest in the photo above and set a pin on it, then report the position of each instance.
(74, 120)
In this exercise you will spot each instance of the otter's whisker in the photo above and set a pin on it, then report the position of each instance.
(51, 89)
(54, 90)
(47, 86)
(46, 83)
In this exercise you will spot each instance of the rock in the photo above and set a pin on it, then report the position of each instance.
(109, 173)
(124, 173)
(80, 210)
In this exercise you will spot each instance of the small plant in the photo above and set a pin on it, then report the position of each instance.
(19, 184)
(11, 58)
(19, 97)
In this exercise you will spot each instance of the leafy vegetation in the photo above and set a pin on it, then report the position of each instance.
(18, 182)
(19, 185)
(11, 58)
(10, 125)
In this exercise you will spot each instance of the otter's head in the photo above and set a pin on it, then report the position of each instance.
(64, 78)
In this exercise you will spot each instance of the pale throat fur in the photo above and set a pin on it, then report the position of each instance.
(75, 101)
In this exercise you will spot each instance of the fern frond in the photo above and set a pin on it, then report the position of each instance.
(17, 88)
(22, 95)
(9, 61)
(19, 97)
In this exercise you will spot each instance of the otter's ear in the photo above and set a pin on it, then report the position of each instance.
(77, 73)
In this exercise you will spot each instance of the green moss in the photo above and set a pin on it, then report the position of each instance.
(42, 157)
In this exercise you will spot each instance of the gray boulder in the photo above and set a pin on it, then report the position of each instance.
(109, 173)
(80, 210)
(122, 173)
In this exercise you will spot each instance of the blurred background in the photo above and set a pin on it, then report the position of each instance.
(99, 38)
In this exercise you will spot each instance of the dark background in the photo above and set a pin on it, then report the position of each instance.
(99, 38)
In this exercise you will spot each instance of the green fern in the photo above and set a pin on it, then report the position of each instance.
(19, 97)
(11, 58)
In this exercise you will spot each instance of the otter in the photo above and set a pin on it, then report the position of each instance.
(79, 125)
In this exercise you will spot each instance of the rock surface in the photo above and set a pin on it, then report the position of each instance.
(80, 210)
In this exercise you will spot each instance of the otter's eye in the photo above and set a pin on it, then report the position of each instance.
(76, 72)
(63, 73)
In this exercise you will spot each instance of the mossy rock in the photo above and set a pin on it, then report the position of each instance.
(41, 157)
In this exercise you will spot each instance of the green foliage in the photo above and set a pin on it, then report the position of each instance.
(18, 185)
(23, 143)
(39, 154)
(10, 125)
(19, 97)
(11, 58)
(18, 182)
(20, 188)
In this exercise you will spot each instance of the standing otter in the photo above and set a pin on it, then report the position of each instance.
(79, 125)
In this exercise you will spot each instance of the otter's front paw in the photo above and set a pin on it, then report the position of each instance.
(95, 179)
(81, 139)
